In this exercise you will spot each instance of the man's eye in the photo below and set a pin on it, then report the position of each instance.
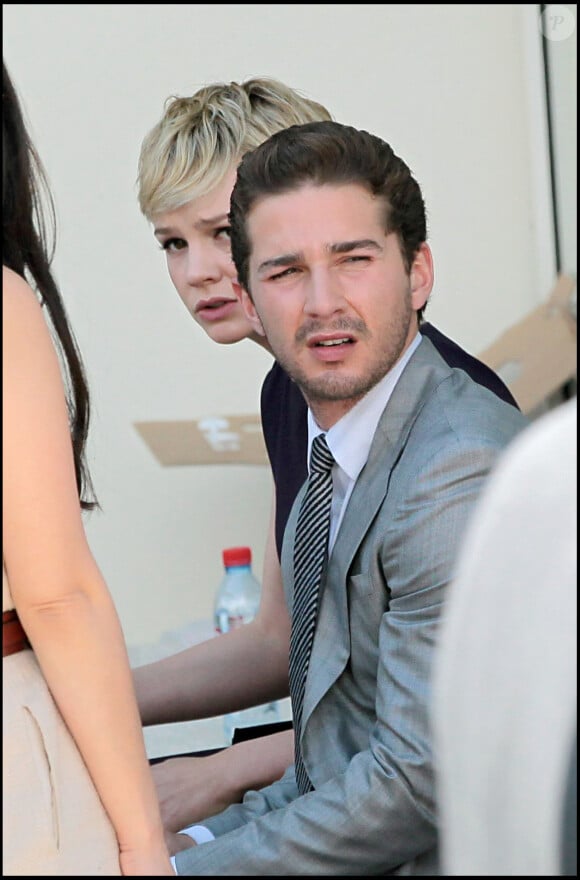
(223, 232)
(284, 273)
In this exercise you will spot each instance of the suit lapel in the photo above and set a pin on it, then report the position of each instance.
(331, 647)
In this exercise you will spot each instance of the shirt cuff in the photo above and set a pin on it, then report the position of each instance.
(199, 833)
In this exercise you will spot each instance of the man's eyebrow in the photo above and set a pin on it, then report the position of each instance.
(341, 247)
(282, 260)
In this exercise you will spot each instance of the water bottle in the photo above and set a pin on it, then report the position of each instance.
(236, 602)
(238, 596)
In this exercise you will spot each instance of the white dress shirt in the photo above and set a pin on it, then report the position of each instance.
(351, 437)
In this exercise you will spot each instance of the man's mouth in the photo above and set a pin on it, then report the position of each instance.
(328, 343)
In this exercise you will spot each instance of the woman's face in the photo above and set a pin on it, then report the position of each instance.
(196, 241)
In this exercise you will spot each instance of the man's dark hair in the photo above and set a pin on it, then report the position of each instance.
(327, 153)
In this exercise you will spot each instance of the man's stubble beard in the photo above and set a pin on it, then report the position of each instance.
(336, 387)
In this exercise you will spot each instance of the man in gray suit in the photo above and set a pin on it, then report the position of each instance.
(329, 241)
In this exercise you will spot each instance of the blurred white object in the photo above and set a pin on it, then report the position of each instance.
(505, 680)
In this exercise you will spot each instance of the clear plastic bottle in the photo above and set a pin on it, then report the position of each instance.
(238, 596)
(236, 602)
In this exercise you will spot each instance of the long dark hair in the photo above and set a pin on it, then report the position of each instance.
(28, 216)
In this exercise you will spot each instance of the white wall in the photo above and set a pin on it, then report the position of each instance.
(559, 28)
(457, 90)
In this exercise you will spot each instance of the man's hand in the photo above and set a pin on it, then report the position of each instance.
(176, 842)
(191, 789)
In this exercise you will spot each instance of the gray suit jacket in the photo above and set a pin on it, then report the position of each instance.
(366, 740)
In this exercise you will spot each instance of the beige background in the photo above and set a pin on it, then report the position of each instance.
(457, 90)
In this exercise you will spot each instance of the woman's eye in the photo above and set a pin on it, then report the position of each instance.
(173, 244)
(223, 232)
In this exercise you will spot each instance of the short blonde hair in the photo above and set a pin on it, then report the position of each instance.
(199, 139)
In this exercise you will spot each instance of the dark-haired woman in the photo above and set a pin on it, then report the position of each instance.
(78, 795)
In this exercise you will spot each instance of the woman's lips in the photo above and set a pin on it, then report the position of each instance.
(216, 309)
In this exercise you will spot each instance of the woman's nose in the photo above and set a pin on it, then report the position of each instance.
(205, 266)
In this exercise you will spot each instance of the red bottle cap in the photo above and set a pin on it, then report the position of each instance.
(237, 556)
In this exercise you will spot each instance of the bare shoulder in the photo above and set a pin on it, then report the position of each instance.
(27, 344)
(19, 302)
(22, 315)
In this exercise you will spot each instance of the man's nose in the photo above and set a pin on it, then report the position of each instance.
(323, 294)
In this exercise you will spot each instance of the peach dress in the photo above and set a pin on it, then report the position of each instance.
(53, 821)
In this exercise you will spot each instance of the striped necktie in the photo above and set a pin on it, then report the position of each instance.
(310, 553)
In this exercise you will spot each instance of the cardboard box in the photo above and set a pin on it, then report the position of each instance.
(209, 440)
(537, 356)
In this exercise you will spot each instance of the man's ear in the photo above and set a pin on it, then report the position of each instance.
(248, 307)
(421, 276)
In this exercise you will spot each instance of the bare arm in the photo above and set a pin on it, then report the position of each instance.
(244, 667)
(59, 593)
